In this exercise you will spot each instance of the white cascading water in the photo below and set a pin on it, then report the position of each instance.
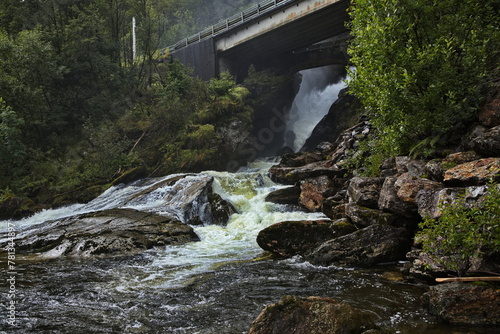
(175, 266)
(311, 104)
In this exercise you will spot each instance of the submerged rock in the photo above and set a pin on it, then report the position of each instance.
(369, 246)
(464, 304)
(111, 232)
(290, 238)
(312, 315)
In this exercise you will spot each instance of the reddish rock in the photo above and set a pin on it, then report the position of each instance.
(313, 192)
(312, 315)
(410, 186)
(290, 238)
(489, 115)
(460, 158)
(464, 304)
(473, 173)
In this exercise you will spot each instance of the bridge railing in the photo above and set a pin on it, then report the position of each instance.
(231, 22)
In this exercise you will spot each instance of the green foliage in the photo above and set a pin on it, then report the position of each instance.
(464, 232)
(421, 67)
(12, 150)
(76, 111)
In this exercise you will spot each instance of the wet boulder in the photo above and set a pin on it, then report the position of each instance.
(291, 175)
(288, 195)
(312, 315)
(109, 232)
(220, 209)
(290, 238)
(368, 246)
(464, 304)
(190, 198)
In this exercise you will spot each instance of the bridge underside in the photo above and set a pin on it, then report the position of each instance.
(285, 46)
(280, 39)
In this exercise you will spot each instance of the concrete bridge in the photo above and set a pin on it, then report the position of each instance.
(295, 34)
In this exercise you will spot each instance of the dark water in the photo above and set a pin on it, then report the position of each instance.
(94, 296)
(214, 286)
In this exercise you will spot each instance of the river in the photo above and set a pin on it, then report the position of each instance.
(217, 285)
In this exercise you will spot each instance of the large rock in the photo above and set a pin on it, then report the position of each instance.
(290, 175)
(408, 187)
(362, 216)
(464, 304)
(365, 191)
(312, 315)
(113, 232)
(314, 191)
(473, 173)
(290, 238)
(299, 159)
(485, 141)
(406, 164)
(288, 195)
(432, 201)
(369, 246)
(436, 168)
(390, 201)
(190, 198)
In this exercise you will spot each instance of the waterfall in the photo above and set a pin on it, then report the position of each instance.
(311, 104)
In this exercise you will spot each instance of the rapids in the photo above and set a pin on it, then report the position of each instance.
(217, 285)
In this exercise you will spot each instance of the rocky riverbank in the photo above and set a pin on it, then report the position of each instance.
(374, 220)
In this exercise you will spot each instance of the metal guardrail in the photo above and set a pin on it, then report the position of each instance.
(231, 22)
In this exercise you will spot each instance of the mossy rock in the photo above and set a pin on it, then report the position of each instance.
(130, 175)
(13, 207)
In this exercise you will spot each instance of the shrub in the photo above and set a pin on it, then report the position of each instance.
(422, 67)
(464, 232)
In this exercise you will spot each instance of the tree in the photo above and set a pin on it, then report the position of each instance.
(422, 66)
(12, 150)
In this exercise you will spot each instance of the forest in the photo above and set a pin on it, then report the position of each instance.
(77, 112)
